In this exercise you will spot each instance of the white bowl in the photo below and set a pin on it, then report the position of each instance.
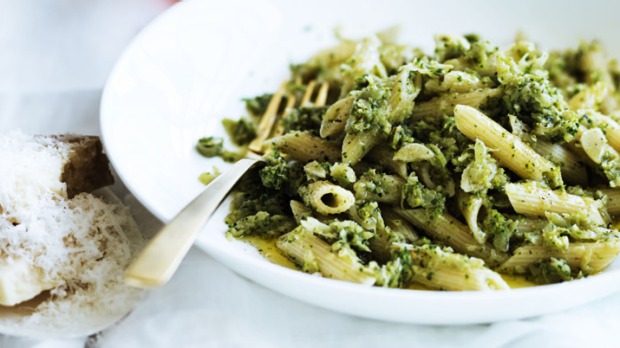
(191, 67)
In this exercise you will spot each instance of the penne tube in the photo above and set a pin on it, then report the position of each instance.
(594, 64)
(336, 116)
(613, 200)
(333, 56)
(590, 98)
(435, 108)
(511, 152)
(612, 130)
(356, 146)
(528, 225)
(305, 147)
(300, 210)
(572, 167)
(315, 255)
(327, 198)
(470, 206)
(384, 188)
(531, 199)
(590, 257)
(384, 156)
(595, 146)
(414, 153)
(403, 93)
(439, 268)
(380, 244)
(447, 229)
(399, 225)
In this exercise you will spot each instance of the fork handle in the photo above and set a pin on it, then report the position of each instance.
(163, 254)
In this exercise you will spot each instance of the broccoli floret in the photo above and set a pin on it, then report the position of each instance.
(210, 146)
(378, 186)
(262, 223)
(275, 174)
(257, 105)
(304, 119)
(530, 95)
(241, 132)
(418, 195)
(500, 228)
(479, 174)
(371, 110)
(281, 175)
(207, 177)
(450, 46)
(550, 271)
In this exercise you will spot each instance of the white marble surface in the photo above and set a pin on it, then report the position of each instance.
(55, 56)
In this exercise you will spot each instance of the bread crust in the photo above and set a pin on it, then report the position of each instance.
(87, 168)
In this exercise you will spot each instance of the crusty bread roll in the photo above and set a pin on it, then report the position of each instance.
(58, 239)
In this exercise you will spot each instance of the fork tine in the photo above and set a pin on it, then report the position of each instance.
(321, 97)
(308, 94)
(290, 104)
(268, 119)
(266, 127)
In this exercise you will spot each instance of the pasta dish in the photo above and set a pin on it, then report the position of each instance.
(388, 166)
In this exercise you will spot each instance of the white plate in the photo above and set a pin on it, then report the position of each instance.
(192, 65)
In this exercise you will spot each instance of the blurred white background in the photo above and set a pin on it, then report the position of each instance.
(55, 56)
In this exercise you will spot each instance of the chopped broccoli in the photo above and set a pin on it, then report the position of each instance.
(257, 105)
(207, 177)
(210, 146)
(418, 195)
(275, 174)
(500, 228)
(530, 95)
(551, 270)
(241, 132)
(264, 224)
(304, 118)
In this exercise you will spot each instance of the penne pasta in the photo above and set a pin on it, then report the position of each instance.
(299, 210)
(335, 118)
(414, 153)
(407, 174)
(442, 269)
(528, 225)
(327, 198)
(399, 225)
(356, 146)
(531, 199)
(470, 206)
(591, 257)
(384, 188)
(595, 146)
(316, 255)
(511, 152)
(403, 93)
(572, 166)
(612, 130)
(450, 231)
(305, 147)
(384, 156)
(613, 200)
(435, 108)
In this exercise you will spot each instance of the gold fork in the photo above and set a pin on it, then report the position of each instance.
(163, 254)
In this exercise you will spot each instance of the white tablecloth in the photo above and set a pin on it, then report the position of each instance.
(55, 57)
